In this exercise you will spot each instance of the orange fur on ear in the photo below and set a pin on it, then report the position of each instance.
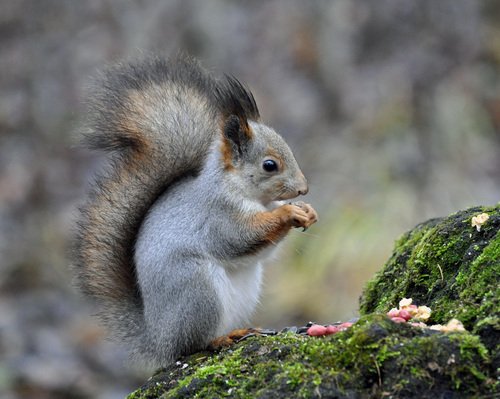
(227, 154)
(236, 136)
(247, 130)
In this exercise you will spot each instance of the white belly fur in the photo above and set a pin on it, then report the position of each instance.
(238, 289)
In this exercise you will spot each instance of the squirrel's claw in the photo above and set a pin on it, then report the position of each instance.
(257, 332)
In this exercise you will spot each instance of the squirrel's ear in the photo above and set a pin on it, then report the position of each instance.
(236, 136)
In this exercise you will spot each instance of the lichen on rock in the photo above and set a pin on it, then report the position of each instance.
(445, 264)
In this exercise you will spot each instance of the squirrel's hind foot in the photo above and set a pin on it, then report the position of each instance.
(238, 335)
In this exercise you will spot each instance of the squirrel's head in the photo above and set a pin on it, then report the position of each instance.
(262, 161)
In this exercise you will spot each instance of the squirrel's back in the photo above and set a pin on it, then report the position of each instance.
(158, 118)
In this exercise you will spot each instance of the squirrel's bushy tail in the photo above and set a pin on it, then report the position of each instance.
(158, 119)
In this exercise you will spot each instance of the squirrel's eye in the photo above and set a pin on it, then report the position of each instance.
(270, 166)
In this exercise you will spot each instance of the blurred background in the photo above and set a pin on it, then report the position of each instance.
(392, 108)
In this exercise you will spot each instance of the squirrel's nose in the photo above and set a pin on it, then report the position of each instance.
(303, 187)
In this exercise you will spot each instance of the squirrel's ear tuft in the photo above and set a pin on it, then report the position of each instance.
(233, 98)
(236, 137)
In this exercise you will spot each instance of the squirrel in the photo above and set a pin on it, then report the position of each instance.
(171, 239)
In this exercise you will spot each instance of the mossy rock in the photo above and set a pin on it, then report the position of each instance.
(449, 266)
(374, 358)
(445, 264)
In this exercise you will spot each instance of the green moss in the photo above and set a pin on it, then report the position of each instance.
(374, 356)
(447, 265)
(149, 391)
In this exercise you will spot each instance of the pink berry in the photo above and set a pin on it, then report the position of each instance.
(405, 314)
(332, 329)
(316, 330)
(345, 325)
(393, 312)
(398, 320)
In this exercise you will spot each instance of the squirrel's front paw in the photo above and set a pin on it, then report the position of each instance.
(301, 214)
(312, 216)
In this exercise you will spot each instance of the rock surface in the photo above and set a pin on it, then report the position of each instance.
(443, 263)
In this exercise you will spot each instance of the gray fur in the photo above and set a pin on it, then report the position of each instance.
(170, 194)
